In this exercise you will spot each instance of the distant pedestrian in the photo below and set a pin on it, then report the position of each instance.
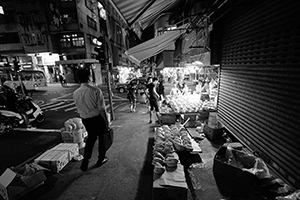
(146, 91)
(132, 96)
(90, 105)
(174, 90)
(153, 98)
(64, 80)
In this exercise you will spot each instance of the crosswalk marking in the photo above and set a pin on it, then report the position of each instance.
(46, 104)
(52, 105)
(69, 109)
(68, 105)
(56, 108)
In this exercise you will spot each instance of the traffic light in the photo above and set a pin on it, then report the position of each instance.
(100, 49)
(16, 66)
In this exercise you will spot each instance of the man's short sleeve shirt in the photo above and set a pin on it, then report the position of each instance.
(89, 101)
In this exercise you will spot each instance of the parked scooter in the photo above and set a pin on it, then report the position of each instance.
(10, 120)
(18, 105)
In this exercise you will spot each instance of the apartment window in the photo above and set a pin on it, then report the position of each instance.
(9, 38)
(92, 23)
(72, 40)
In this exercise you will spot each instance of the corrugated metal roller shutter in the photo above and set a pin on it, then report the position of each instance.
(260, 82)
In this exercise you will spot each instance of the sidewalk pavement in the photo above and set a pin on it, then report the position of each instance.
(128, 174)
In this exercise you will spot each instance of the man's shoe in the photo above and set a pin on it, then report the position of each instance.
(100, 163)
(84, 165)
(150, 121)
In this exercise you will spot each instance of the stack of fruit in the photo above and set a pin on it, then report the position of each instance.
(166, 138)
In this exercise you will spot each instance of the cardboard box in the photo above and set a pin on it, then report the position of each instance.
(213, 133)
(203, 114)
(213, 120)
(71, 148)
(13, 188)
(171, 185)
(168, 193)
(55, 160)
(192, 119)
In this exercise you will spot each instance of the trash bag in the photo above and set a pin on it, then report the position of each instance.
(294, 196)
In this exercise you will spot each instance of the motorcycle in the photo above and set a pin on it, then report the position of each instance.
(16, 110)
(10, 120)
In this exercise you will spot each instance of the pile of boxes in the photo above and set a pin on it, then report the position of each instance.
(58, 157)
(14, 185)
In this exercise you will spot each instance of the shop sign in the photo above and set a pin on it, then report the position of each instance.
(34, 39)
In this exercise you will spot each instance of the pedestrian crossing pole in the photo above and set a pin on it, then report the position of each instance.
(108, 79)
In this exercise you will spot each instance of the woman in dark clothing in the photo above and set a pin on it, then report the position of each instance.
(161, 90)
(132, 96)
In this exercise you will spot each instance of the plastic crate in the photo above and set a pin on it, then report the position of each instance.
(167, 118)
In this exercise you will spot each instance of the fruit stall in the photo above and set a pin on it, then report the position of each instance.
(182, 107)
(169, 177)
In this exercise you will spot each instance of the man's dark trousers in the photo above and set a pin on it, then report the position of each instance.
(95, 127)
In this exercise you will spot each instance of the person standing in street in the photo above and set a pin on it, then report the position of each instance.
(61, 80)
(64, 80)
(153, 97)
(161, 89)
(90, 105)
(132, 96)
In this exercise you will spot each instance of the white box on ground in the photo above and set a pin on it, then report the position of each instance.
(55, 160)
(213, 120)
(5, 179)
(71, 148)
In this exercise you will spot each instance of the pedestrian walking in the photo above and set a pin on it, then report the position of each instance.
(61, 80)
(146, 92)
(64, 80)
(153, 98)
(90, 104)
(132, 96)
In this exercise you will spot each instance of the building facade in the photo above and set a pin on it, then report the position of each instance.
(63, 27)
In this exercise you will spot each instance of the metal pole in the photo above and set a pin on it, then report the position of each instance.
(108, 81)
(110, 94)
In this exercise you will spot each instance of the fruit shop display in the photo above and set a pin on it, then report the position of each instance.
(168, 140)
(185, 104)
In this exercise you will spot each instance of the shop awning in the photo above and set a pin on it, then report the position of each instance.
(143, 11)
(78, 61)
(154, 46)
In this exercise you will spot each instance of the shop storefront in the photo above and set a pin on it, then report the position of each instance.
(70, 67)
(259, 81)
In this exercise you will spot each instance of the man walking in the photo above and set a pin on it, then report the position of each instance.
(90, 105)
(153, 97)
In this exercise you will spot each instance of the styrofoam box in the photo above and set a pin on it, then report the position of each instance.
(72, 149)
(55, 160)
